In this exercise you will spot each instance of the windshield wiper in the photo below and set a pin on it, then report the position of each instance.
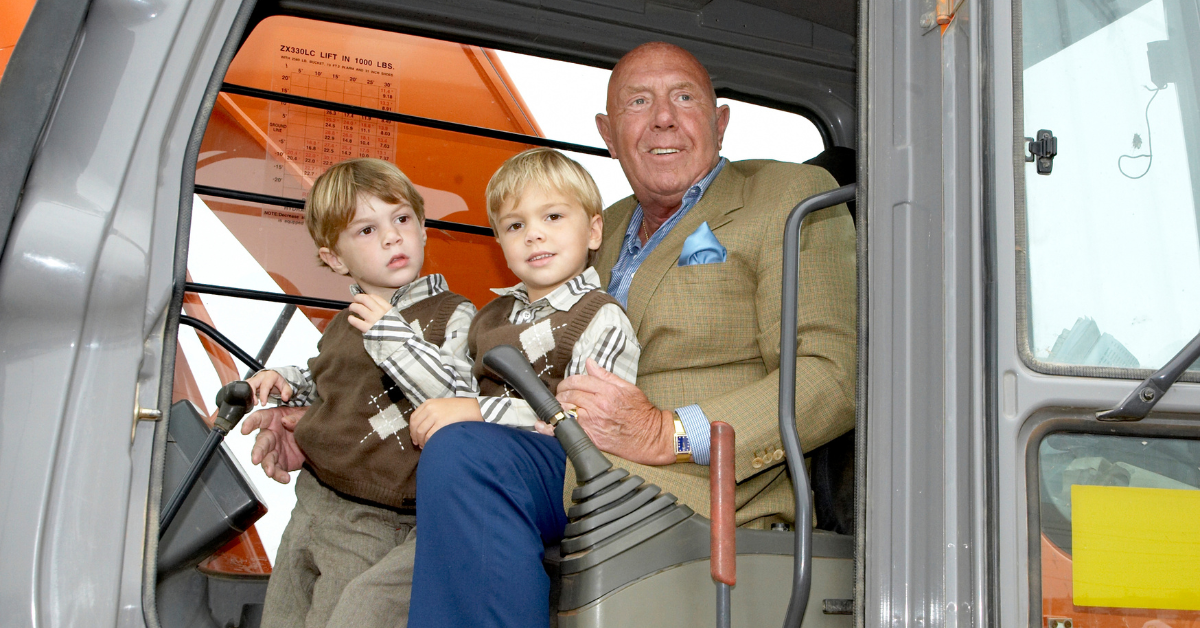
(1142, 400)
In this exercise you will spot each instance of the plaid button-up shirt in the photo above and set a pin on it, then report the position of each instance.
(608, 339)
(421, 369)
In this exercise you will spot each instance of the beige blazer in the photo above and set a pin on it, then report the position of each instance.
(710, 333)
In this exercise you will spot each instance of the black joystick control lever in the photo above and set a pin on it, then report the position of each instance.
(612, 510)
(233, 401)
(510, 364)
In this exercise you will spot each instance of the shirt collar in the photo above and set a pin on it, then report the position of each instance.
(561, 298)
(690, 198)
(419, 289)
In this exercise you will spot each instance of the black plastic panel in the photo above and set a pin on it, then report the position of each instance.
(222, 505)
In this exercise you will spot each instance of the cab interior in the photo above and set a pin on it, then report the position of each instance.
(423, 84)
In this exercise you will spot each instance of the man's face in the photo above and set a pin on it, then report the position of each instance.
(662, 123)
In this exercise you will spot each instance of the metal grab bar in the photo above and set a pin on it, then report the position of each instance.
(802, 572)
(222, 340)
(403, 118)
(298, 204)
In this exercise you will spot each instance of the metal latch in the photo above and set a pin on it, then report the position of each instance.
(1044, 148)
(148, 414)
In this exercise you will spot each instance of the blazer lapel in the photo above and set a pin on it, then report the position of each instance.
(723, 198)
(616, 221)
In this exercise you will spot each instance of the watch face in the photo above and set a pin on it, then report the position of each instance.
(682, 445)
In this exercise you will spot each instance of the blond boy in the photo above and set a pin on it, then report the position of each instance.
(545, 209)
(546, 212)
(346, 556)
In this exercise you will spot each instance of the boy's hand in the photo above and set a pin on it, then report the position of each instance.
(275, 446)
(367, 310)
(265, 381)
(544, 428)
(435, 414)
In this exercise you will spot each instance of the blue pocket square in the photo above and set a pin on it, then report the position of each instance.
(701, 247)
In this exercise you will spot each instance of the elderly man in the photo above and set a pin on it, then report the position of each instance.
(696, 257)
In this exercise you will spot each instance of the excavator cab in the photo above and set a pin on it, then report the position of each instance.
(1028, 256)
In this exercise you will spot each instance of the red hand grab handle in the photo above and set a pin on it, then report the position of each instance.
(722, 482)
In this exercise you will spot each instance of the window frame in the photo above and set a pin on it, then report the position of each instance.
(217, 85)
(1049, 421)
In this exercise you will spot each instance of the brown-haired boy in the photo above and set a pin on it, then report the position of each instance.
(346, 556)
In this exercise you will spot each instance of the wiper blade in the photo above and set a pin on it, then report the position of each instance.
(1142, 400)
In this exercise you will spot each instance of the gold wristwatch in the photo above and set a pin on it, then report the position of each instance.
(683, 446)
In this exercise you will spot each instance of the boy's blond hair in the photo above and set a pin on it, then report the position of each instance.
(547, 169)
(334, 196)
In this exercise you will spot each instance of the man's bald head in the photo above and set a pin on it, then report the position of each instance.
(663, 124)
(657, 53)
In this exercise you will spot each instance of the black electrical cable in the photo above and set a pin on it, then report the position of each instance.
(1149, 142)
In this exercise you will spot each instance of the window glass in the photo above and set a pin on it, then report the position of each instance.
(1066, 460)
(563, 98)
(1112, 242)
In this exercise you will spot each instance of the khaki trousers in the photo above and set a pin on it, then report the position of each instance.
(340, 563)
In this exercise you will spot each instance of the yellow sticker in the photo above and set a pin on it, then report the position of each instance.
(1136, 547)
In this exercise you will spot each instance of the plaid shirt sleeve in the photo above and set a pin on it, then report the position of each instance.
(608, 339)
(422, 369)
(304, 389)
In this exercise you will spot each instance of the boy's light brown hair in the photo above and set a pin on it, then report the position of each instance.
(334, 196)
(547, 169)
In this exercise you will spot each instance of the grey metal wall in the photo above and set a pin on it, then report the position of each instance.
(84, 285)
(952, 411)
(925, 561)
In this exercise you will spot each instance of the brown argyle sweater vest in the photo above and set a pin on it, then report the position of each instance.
(547, 343)
(355, 435)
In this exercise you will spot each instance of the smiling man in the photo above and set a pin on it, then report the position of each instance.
(696, 257)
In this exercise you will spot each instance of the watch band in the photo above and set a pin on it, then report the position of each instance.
(683, 446)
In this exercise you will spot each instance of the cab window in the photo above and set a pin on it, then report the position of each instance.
(1093, 543)
(1112, 254)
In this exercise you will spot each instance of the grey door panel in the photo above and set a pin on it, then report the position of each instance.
(29, 90)
(85, 280)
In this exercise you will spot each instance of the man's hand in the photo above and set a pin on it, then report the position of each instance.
(266, 381)
(618, 416)
(275, 446)
(367, 310)
(435, 414)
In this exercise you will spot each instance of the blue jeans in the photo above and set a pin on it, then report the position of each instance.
(489, 498)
